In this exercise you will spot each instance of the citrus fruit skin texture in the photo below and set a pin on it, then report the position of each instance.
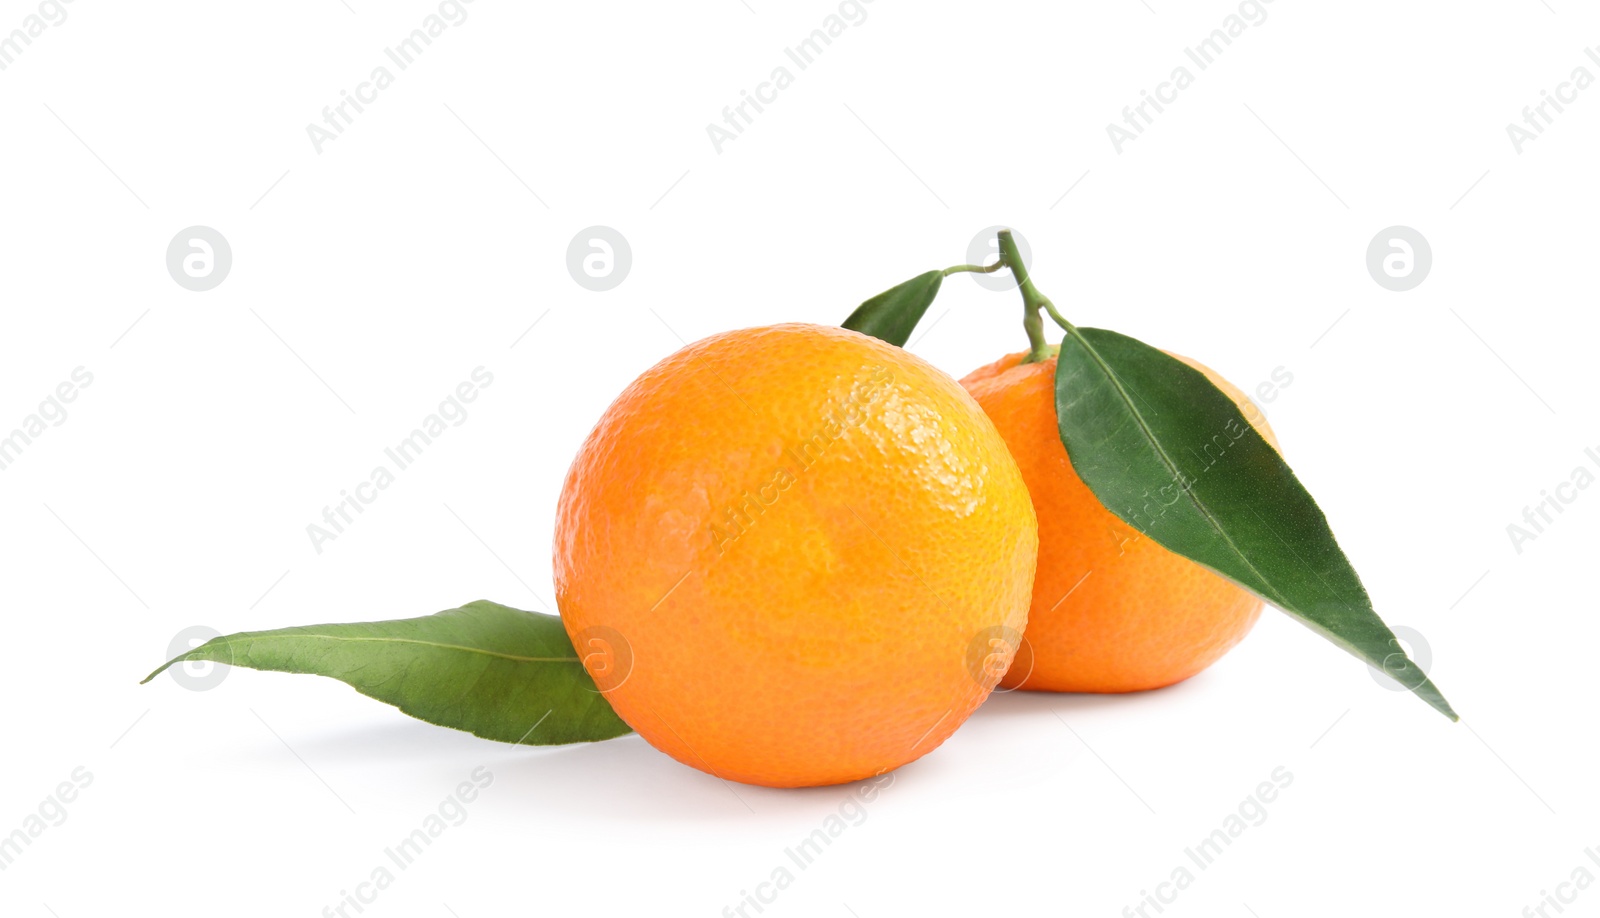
(784, 553)
(1113, 610)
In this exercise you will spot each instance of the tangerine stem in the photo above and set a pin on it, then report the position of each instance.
(1032, 302)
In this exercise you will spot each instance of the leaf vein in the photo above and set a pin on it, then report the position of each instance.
(226, 642)
(1172, 467)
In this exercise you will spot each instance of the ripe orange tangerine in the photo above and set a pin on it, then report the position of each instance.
(794, 555)
(1112, 610)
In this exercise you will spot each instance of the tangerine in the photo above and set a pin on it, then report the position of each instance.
(794, 555)
(1112, 610)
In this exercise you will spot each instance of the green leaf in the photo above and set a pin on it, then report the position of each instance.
(1172, 455)
(894, 313)
(491, 670)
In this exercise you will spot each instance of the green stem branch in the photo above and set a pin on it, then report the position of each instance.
(1032, 302)
(975, 269)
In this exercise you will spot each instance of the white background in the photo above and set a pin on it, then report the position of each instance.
(369, 279)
